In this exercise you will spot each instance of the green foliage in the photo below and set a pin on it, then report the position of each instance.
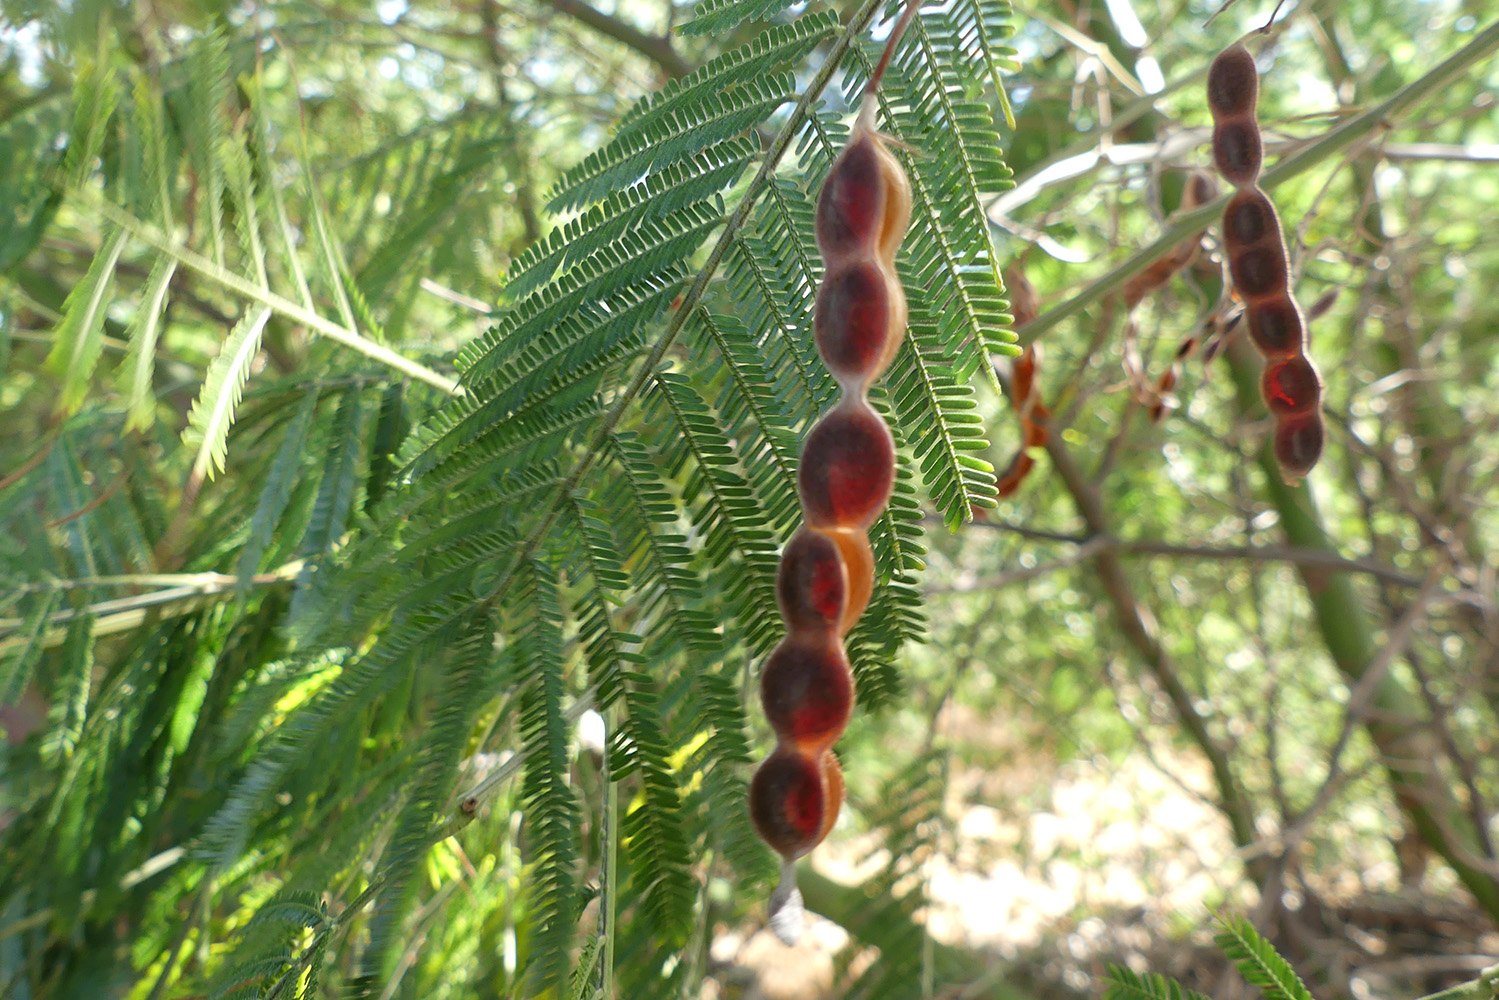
(335, 588)
(713, 16)
(1125, 984)
(1258, 961)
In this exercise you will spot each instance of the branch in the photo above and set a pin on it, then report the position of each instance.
(198, 590)
(653, 47)
(1137, 625)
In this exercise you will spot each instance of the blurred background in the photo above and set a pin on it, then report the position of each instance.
(1155, 683)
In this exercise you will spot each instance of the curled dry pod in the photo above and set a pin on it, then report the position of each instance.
(847, 467)
(788, 801)
(858, 322)
(1298, 443)
(1291, 385)
(811, 584)
(807, 690)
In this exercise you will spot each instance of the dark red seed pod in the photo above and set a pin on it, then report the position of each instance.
(1238, 151)
(1249, 217)
(788, 802)
(1291, 385)
(1276, 327)
(1260, 271)
(807, 690)
(1298, 443)
(1233, 83)
(847, 467)
(812, 583)
(851, 208)
(859, 311)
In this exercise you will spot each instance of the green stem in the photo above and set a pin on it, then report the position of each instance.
(1485, 987)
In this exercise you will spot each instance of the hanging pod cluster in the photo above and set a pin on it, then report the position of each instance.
(846, 473)
(1259, 267)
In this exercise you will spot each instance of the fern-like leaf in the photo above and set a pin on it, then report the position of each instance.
(213, 413)
(678, 131)
(551, 811)
(713, 16)
(138, 371)
(1258, 961)
(460, 694)
(1125, 984)
(80, 335)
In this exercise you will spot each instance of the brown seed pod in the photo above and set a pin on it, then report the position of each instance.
(812, 585)
(847, 468)
(859, 321)
(1233, 84)
(1249, 218)
(789, 801)
(1291, 385)
(1260, 268)
(1238, 151)
(1276, 327)
(1298, 443)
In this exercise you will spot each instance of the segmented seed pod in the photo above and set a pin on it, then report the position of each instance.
(845, 478)
(1260, 269)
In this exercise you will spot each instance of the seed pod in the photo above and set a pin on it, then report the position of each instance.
(1238, 151)
(1298, 443)
(1291, 385)
(847, 468)
(847, 472)
(788, 800)
(1233, 92)
(1249, 218)
(807, 690)
(1276, 327)
(1261, 271)
(1260, 268)
(1233, 84)
(812, 584)
(858, 322)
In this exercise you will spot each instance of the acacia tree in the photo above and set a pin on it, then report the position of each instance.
(322, 539)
